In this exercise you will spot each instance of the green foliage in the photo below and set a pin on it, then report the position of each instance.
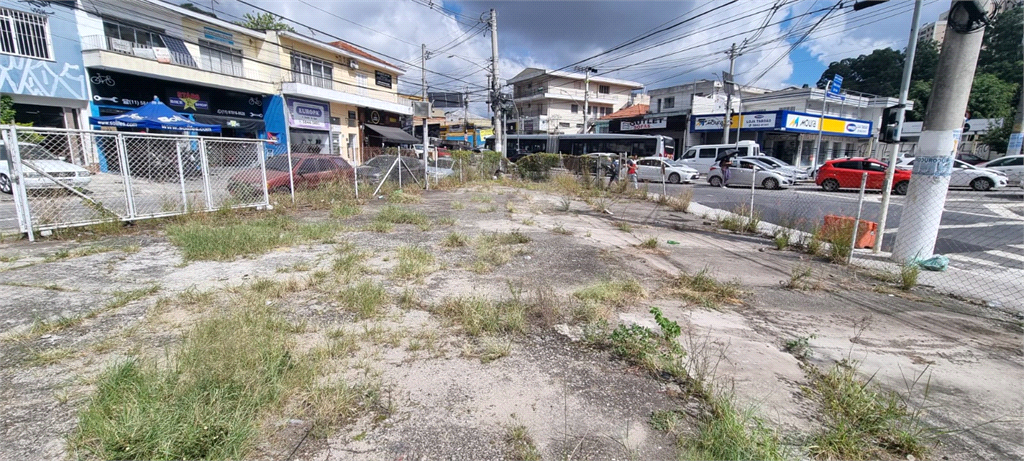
(669, 328)
(537, 166)
(877, 73)
(7, 112)
(225, 237)
(656, 352)
(799, 347)
(1002, 53)
(991, 97)
(264, 21)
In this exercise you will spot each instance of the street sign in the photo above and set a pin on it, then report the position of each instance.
(835, 85)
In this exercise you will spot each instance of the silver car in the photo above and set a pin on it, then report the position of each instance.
(798, 174)
(649, 169)
(745, 169)
(63, 174)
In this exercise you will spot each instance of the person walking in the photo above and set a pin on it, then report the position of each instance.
(724, 164)
(613, 171)
(631, 172)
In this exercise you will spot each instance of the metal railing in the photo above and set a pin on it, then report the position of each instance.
(114, 45)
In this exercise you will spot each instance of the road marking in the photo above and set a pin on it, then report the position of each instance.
(967, 226)
(1003, 210)
(1004, 254)
(968, 259)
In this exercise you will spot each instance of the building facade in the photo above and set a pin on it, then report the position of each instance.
(551, 101)
(41, 66)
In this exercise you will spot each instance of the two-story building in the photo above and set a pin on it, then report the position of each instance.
(551, 101)
(41, 65)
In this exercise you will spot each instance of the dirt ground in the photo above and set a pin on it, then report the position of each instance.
(576, 402)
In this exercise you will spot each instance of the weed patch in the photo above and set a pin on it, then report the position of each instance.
(703, 289)
(365, 299)
(226, 239)
(414, 263)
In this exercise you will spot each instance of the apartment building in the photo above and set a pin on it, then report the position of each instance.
(551, 101)
(41, 65)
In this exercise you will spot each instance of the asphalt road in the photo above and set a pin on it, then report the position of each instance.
(983, 227)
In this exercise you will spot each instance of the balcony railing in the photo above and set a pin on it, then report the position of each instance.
(312, 80)
(138, 50)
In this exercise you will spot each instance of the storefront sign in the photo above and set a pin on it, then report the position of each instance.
(383, 79)
(117, 90)
(708, 123)
(758, 121)
(216, 35)
(648, 124)
(847, 127)
(807, 123)
(799, 122)
(310, 115)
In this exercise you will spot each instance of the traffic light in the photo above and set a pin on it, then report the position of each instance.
(889, 131)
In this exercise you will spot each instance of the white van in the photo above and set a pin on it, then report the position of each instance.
(702, 157)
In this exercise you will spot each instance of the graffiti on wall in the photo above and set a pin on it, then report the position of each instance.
(40, 78)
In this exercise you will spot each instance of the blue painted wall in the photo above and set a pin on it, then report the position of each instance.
(62, 77)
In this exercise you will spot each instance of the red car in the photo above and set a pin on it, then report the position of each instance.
(309, 170)
(845, 173)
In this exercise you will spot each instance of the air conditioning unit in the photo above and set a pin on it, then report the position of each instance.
(353, 64)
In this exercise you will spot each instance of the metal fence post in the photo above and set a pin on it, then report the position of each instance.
(205, 165)
(129, 190)
(856, 222)
(262, 152)
(21, 206)
(181, 177)
(753, 183)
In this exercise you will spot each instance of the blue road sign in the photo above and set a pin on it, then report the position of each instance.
(837, 84)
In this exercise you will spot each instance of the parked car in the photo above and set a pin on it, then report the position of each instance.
(798, 174)
(377, 167)
(845, 173)
(440, 168)
(970, 158)
(703, 157)
(309, 170)
(745, 170)
(967, 175)
(649, 169)
(35, 155)
(1011, 165)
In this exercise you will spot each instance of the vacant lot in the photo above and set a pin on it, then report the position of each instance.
(489, 322)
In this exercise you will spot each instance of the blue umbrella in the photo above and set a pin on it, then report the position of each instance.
(154, 116)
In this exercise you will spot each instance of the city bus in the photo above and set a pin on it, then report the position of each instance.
(632, 145)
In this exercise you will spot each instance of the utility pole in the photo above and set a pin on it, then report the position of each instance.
(821, 126)
(943, 125)
(890, 171)
(426, 117)
(499, 132)
(586, 97)
(727, 80)
(465, 118)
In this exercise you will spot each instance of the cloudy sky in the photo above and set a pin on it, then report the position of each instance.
(655, 43)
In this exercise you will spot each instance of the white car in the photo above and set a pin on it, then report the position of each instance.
(967, 175)
(35, 155)
(1011, 165)
(440, 168)
(742, 172)
(649, 169)
(779, 166)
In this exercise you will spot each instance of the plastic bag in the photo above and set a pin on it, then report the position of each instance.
(935, 263)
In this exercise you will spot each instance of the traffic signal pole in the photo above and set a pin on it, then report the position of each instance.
(943, 125)
(890, 171)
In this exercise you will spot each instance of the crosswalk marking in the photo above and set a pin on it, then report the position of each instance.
(1007, 255)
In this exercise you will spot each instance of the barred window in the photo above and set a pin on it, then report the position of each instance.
(221, 59)
(312, 71)
(24, 34)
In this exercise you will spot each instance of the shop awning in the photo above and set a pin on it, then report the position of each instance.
(395, 135)
(238, 123)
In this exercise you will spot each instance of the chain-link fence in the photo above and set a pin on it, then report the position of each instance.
(980, 227)
(62, 178)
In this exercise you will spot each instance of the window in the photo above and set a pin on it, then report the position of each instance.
(138, 36)
(604, 89)
(221, 59)
(854, 165)
(708, 152)
(670, 103)
(574, 108)
(563, 124)
(24, 34)
(312, 71)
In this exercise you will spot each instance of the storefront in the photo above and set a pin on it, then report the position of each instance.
(240, 115)
(673, 126)
(309, 124)
(383, 129)
(791, 136)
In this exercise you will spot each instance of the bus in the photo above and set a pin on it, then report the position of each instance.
(633, 145)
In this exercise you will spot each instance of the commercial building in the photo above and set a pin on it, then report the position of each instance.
(41, 65)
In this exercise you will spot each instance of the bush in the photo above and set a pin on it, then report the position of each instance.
(537, 166)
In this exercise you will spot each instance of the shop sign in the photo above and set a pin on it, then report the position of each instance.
(309, 115)
(796, 122)
(847, 127)
(217, 35)
(648, 124)
(383, 79)
(709, 123)
(188, 101)
(758, 121)
(124, 90)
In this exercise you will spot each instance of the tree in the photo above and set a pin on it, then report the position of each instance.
(991, 97)
(7, 112)
(197, 9)
(264, 21)
(926, 60)
(877, 73)
(1002, 53)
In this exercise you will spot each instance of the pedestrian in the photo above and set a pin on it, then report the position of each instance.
(724, 164)
(614, 171)
(631, 172)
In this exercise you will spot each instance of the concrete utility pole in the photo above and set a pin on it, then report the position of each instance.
(943, 124)
(727, 80)
(426, 118)
(499, 132)
(890, 171)
(586, 97)
(821, 125)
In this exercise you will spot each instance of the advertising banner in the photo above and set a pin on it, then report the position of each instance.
(310, 115)
(708, 123)
(647, 124)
